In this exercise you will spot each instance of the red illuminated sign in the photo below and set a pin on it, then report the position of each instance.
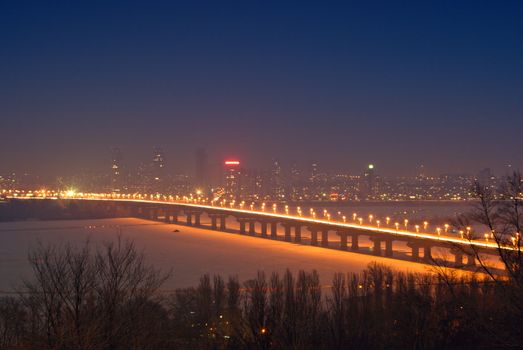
(232, 162)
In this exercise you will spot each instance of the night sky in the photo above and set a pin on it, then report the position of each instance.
(394, 83)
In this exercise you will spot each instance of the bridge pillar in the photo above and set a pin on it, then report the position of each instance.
(274, 230)
(458, 259)
(287, 232)
(325, 237)
(167, 217)
(471, 259)
(427, 254)
(264, 228)
(213, 222)
(252, 227)
(343, 239)
(188, 219)
(297, 234)
(458, 256)
(153, 215)
(223, 226)
(314, 235)
(354, 242)
(174, 217)
(415, 251)
(376, 248)
(242, 226)
(388, 248)
(197, 219)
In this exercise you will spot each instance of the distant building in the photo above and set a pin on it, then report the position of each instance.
(232, 176)
(295, 184)
(116, 170)
(313, 178)
(158, 170)
(277, 182)
(370, 183)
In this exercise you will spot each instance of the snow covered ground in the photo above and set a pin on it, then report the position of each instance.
(190, 252)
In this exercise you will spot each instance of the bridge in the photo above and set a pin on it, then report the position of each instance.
(266, 223)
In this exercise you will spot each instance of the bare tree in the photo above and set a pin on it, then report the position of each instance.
(85, 299)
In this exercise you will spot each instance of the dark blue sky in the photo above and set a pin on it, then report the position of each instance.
(396, 83)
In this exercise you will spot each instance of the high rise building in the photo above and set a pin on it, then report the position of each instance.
(158, 170)
(295, 184)
(314, 173)
(232, 175)
(370, 184)
(116, 170)
(277, 183)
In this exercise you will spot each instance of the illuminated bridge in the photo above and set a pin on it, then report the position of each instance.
(265, 223)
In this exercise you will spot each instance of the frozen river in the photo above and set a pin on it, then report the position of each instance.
(190, 252)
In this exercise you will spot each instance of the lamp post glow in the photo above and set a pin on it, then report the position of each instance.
(397, 225)
(405, 223)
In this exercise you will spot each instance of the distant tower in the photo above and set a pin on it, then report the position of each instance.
(295, 183)
(232, 174)
(314, 173)
(278, 190)
(201, 169)
(369, 183)
(421, 172)
(158, 169)
(116, 170)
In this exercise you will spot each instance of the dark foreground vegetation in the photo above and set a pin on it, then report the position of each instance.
(108, 298)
